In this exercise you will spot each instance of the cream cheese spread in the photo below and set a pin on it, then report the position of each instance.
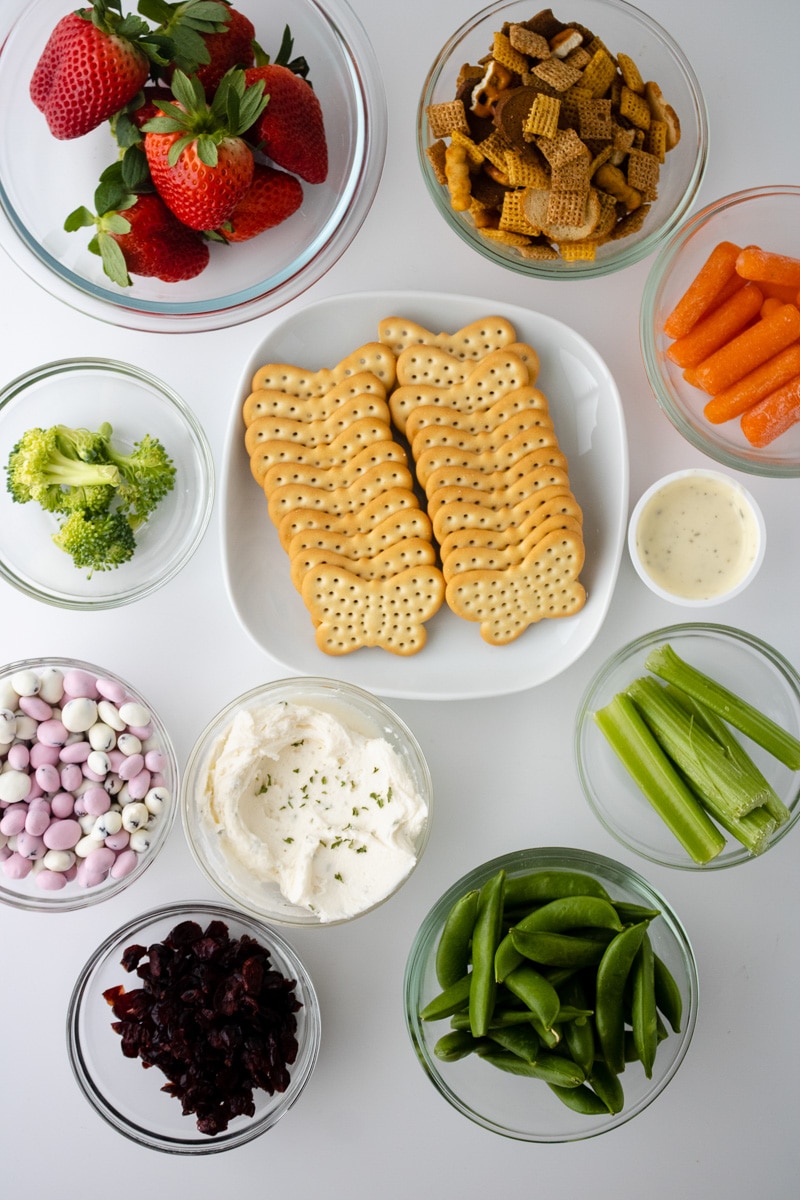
(300, 799)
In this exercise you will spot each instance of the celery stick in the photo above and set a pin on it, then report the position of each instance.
(665, 662)
(639, 752)
(719, 729)
(698, 755)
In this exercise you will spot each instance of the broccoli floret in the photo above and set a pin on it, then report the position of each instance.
(38, 469)
(86, 444)
(146, 475)
(97, 542)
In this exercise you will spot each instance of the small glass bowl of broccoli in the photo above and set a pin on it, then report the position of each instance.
(109, 483)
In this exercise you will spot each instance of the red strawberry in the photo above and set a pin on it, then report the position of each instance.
(209, 39)
(291, 130)
(271, 198)
(91, 66)
(198, 163)
(141, 236)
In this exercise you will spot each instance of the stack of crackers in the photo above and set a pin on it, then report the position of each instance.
(423, 469)
(552, 144)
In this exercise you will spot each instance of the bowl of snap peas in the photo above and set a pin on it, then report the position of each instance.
(551, 994)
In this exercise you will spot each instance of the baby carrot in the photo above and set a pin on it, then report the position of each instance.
(758, 264)
(773, 415)
(717, 327)
(771, 304)
(771, 375)
(702, 292)
(780, 291)
(749, 350)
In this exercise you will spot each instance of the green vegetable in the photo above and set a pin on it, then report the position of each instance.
(666, 663)
(640, 753)
(485, 937)
(612, 977)
(104, 494)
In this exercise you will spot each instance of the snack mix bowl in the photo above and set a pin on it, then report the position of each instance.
(512, 1104)
(767, 217)
(556, 179)
(85, 393)
(241, 281)
(89, 784)
(307, 802)
(744, 665)
(130, 1098)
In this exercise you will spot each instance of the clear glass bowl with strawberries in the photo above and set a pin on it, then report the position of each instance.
(277, 120)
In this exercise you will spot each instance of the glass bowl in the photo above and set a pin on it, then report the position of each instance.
(53, 886)
(241, 282)
(83, 393)
(525, 1109)
(622, 29)
(766, 216)
(333, 861)
(129, 1097)
(745, 665)
(726, 537)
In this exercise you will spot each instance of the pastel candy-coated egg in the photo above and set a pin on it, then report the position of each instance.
(134, 816)
(84, 847)
(8, 697)
(143, 732)
(79, 714)
(62, 834)
(113, 784)
(131, 766)
(116, 758)
(80, 683)
(25, 683)
(99, 764)
(107, 825)
(19, 756)
(62, 804)
(14, 786)
(86, 822)
(13, 819)
(8, 726)
(48, 777)
(155, 760)
(51, 881)
(140, 840)
(17, 867)
(139, 786)
(71, 777)
(135, 714)
(26, 727)
(38, 817)
(52, 733)
(39, 753)
(58, 860)
(36, 707)
(30, 846)
(129, 744)
(118, 841)
(101, 736)
(124, 864)
(51, 684)
(75, 752)
(100, 860)
(156, 800)
(111, 689)
(110, 715)
(96, 801)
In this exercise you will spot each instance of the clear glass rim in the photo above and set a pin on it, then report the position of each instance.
(301, 684)
(656, 282)
(516, 862)
(58, 902)
(558, 270)
(737, 856)
(274, 941)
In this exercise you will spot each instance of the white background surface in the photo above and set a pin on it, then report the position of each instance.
(370, 1124)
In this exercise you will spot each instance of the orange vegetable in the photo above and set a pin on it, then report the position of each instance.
(748, 350)
(771, 375)
(717, 327)
(702, 293)
(781, 291)
(758, 264)
(773, 415)
(771, 304)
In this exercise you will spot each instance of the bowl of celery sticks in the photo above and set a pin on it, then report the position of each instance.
(687, 746)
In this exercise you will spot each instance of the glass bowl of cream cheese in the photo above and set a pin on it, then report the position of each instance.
(307, 801)
(697, 537)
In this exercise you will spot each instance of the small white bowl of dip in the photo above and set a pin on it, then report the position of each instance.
(697, 537)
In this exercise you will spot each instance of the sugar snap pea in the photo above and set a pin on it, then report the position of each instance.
(528, 985)
(557, 949)
(539, 887)
(580, 1099)
(485, 939)
(578, 1035)
(551, 1068)
(607, 1085)
(448, 1001)
(454, 1045)
(668, 994)
(612, 976)
(453, 949)
(521, 1040)
(557, 916)
(643, 1008)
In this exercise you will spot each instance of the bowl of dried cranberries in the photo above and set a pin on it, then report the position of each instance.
(177, 133)
(216, 1005)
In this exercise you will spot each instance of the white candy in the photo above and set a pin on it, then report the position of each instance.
(134, 816)
(78, 715)
(51, 685)
(140, 840)
(101, 736)
(99, 762)
(26, 728)
(14, 786)
(58, 860)
(109, 713)
(8, 697)
(25, 683)
(87, 823)
(134, 714)
(108, 824)
(87, 844)
(8, 726)
(113, 784)
(129, 744)
(157, 799)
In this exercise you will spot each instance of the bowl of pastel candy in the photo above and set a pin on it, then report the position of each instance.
(87, 780)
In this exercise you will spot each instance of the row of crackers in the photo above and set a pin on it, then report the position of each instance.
(423, 470)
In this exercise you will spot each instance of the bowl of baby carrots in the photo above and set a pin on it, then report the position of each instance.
(720, 330)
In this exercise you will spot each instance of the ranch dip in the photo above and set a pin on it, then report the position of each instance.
(697, 536)
(299, 799)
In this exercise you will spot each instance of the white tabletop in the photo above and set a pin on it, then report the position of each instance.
(370, 1124)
